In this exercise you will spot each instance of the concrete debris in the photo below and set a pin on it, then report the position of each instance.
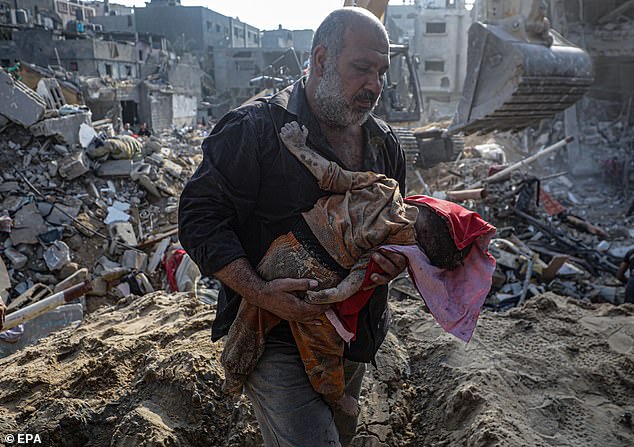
(18, 103)
(65, 127)
(76, 200)
(556, 231)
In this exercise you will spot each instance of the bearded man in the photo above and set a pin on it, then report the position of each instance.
(249, 190)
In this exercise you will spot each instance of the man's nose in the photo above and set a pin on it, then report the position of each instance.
(375, 83)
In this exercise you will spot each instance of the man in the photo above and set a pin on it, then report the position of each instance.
(144, 131)
(627, 265)
(249, 190)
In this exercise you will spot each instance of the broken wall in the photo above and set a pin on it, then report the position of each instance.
(184, 110)
(441, 43)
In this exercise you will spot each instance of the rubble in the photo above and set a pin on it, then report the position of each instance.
(556, 232)
(78, 201)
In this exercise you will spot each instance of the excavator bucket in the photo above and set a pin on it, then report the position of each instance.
(513, 83)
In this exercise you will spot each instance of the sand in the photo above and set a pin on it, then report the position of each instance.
(556, 372)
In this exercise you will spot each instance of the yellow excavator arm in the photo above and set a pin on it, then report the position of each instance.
(376, 7)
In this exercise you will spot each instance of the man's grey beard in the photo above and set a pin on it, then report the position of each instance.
(331, 104)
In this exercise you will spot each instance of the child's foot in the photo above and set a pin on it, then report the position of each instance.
(294, 136)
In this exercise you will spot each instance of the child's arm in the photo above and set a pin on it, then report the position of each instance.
(345, 289)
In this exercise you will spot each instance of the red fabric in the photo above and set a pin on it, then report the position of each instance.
(348, 310)
(465, 227)
(171, 263)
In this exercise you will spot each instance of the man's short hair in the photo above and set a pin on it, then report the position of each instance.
(330, 32)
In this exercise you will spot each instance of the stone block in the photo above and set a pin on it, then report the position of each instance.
(18, 260)
(73, 166)
(115, 168)
(134, 260)
(18, 102)
(65, 127)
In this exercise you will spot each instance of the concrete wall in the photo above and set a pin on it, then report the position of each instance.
(303, 40)
(443, 56)
(195, 28)
(123, 23)
(160, 111)
(182, 26)
(184, 77)
(279, 38)
(184, 110)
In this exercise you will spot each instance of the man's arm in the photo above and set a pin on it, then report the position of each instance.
(276, 296)
(218, 199)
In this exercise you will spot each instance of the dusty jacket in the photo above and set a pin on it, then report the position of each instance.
(248, 191)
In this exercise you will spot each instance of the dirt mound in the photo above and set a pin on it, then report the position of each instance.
(556, 372)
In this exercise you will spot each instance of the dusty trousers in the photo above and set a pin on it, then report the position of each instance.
(288, 409)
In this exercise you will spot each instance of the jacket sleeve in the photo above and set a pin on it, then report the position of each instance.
(221, 194)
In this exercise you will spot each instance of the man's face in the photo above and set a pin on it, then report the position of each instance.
(350, 86)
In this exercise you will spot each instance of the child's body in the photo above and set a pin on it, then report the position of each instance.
(336, 236)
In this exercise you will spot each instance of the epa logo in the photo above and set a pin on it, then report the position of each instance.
(23, 438)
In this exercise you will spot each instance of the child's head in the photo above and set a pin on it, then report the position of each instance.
(433, 237)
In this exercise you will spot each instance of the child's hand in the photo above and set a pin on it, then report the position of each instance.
(392, 265)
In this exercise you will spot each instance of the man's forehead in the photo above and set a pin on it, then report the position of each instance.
(370, 40)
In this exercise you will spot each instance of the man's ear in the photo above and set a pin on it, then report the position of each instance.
(319, 60)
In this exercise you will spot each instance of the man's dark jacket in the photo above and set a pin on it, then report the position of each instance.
(248, 191)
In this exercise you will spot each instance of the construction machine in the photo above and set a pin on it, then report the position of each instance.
(519, 71)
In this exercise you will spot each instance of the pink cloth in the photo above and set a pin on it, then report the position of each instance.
(454, 297)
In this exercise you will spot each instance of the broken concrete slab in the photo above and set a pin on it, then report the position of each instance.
(44, 325)
(18, 102)
(115, 168)
(64, 127)
(134, 260)
(59, 214)
(74, 166)
(122, 232)
(86, 135)
(28, 223)
(18, 260)
(158, 254)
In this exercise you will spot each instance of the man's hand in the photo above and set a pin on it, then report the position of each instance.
(278, 297)
(392, 265)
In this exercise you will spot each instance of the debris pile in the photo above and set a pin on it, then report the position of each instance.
(78, 201)
(556, 232)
